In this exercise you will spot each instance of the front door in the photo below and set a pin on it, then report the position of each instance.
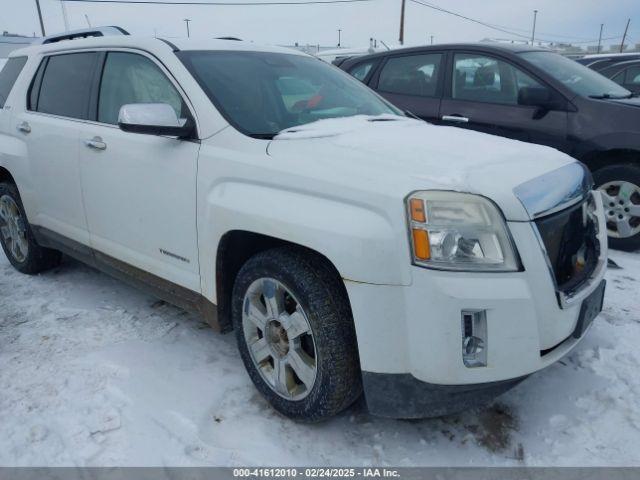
(140, 190)
(484, 95)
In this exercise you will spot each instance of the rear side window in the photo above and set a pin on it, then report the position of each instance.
(411, 75)
(8, 76)
(362, 70)
(66, 85)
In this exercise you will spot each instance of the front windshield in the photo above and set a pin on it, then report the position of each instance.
(262, 94)
(578, 78)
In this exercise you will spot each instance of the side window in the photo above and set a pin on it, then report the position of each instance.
(66, 85)
(478, 78)
(633, 76)
(8, 76)
(619, 77)
(132, 78)
(362, 70)
(411, 75)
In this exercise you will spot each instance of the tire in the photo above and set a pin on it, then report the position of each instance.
(309, 290)
(609, 181)
(25, 255)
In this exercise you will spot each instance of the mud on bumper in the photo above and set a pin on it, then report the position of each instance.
(404, 396)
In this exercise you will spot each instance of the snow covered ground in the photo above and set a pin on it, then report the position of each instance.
(94, 373)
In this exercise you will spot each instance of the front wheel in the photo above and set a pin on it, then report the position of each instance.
(296, 335)
(620, 188)
(16, 237)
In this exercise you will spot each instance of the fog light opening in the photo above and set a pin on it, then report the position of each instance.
(474, 338)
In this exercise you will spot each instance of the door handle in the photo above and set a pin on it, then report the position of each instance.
(96, 143)
(455, 119)
(24, 127)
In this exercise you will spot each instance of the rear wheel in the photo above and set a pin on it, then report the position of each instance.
(16, 237)
(620, 188)
(296, 335)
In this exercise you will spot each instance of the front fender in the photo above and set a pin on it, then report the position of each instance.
(362, 243)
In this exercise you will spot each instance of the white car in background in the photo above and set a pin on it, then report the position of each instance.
(350, 248)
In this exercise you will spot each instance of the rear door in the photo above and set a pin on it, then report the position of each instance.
(140, 190)
(412, 82)
(57, 107)
(483, 95)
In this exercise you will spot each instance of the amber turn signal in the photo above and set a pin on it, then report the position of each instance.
(421, 246)
(417, 210)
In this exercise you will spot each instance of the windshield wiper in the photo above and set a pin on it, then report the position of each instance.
(608, 96)
(263, 136)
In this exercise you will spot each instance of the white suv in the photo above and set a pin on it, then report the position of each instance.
(350, 247)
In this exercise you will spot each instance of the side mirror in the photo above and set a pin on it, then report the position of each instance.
(154, 119)
(535, 97)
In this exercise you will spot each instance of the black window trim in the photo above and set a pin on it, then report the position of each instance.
(480, 53)
(440, 85)
(36, 82)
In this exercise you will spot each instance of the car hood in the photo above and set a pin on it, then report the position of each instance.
(395, 156)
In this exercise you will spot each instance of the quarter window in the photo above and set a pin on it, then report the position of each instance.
(411, 75)
(8, 76)
(130, 78)
(489, 80)
(362, 70)
(66, 85)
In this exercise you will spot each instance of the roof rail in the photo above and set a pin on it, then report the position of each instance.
(235, 39)
(85, 33)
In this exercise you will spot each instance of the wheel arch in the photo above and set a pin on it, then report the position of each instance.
(596, 160)
(234, 249)
(5, 176)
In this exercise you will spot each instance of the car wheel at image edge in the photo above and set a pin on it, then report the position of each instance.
(620, 188)
(295, 332)
(17, 239)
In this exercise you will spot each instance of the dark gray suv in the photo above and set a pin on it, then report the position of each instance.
(527, 94)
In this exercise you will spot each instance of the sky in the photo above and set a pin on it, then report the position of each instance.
(558, 20)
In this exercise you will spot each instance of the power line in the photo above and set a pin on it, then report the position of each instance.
(157, 2)
(507, 30)
(464, 17)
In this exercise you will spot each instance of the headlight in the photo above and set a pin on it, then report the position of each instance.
(459, 231)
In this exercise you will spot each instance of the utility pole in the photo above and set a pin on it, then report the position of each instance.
(533, 32)
(624, 37)
(187, 20)
(431, 39)
(600, 38)
(339, 37)
(40, 17)
(401, 39)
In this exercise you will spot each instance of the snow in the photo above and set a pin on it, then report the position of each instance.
(95, 373)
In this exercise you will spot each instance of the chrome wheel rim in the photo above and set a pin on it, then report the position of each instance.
(13, 229)
(279, 338)
(621, 202)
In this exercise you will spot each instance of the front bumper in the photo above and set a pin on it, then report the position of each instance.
(415, 332)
